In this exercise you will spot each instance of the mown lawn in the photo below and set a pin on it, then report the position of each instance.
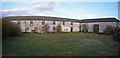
(61, 44)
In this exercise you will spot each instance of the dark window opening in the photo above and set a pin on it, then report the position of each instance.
(27, 28)
(53, 28)
(71, 23)
(43, 22)
(53, 22)
(18, 22)
(63, 23)
(31, 22)
(79, 28)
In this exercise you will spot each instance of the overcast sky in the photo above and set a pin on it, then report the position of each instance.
(78, 10)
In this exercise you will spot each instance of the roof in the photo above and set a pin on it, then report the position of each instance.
(40, 18)
(100, 20)
(61, 19)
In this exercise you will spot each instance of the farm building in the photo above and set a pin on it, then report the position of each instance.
(37, 23)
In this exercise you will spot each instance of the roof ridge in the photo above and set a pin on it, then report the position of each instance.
(61, 19)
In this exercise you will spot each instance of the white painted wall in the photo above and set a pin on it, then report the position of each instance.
(38, 24)
(102, 26)
(76, 27)
(65, 28)
(14, 22)
(22, 24)
(51, 25)
(90, 26)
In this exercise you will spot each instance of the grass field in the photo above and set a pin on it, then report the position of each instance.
(61, 44)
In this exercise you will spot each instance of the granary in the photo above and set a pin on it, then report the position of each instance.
(36, 23)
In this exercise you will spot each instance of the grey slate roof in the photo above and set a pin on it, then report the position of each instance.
(40, 18)
(100, 20)
(61, 19)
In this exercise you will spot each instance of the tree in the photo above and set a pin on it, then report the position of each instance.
(5, 27)
(85, 29)
(10, 29)
(59, 29)
(15, 30)
(108, 30)
(116, 33)
(45, 28)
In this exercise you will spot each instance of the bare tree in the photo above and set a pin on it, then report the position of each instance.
(45, 28)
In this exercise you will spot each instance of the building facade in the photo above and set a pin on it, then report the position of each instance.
(37, 23)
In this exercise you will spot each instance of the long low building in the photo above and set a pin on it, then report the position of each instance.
(36, 23)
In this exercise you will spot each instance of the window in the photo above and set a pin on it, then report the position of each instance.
(35, 28)
(18, 22)
(27, 28)
(43, 22)
(53, 28)
(80, 28)
(71, 23)
(63, 23)
(31, 22)
(53, 22)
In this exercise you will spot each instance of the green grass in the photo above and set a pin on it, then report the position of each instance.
(61, 44)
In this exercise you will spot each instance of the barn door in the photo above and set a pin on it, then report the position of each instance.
(96, 28)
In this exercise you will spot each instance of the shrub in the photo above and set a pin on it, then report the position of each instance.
(108, 30)
(116, 33)
(85, 28)
(5, 27)
(59, 28)
(15, 30)
(10, 29)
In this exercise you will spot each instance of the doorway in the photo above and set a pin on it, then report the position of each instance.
(96, 28)
(71, 29)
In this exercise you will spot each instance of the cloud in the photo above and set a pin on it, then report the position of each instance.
(91, 16)
(45, 7)
(82, 10)
(87, 16)
(36, 10)
(13, 12)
